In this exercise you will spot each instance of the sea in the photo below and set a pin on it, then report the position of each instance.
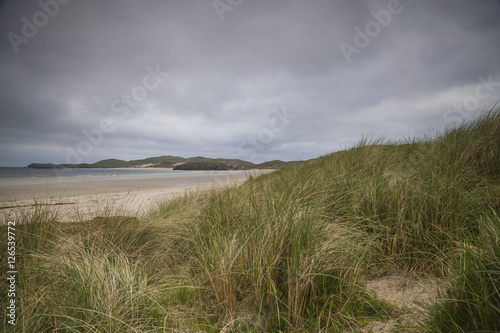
(24, 172)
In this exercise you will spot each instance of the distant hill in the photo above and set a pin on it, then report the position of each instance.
(175, 162)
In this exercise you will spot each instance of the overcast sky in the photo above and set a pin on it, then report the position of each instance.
(85, 80)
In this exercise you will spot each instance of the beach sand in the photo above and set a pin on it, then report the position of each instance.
(77, 198)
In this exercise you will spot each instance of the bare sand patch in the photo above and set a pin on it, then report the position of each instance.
(411, 295)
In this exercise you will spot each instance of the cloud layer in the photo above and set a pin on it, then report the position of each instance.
(256, 80)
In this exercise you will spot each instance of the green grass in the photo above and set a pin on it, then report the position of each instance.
(288, 251)
(471, 299)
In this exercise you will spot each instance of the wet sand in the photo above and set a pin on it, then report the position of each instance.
(84, 197)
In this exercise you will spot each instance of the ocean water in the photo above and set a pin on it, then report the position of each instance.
(16, 173)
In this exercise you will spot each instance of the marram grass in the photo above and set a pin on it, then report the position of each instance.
(289, 251)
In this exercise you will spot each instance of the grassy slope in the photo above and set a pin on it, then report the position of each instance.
(287, 251)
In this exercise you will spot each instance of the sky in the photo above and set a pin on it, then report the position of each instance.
(86, 80)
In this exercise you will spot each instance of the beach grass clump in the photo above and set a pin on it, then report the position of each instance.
(89, 276)
(98, 291)
(35, 226)
(34, 232)
(421, 197)
(267, 248)
(470, 300)
(98, 277)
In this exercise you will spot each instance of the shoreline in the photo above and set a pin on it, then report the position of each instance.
(125, 194)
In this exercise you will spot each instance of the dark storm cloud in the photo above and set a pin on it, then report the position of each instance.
(70, 87)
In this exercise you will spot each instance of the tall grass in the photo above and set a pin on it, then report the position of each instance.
(287, 251)
(35, 226)
(267, 249)
(471, 298)
(421, 197)
(99, 290)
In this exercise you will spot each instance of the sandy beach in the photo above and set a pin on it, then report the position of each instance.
(87, 197)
